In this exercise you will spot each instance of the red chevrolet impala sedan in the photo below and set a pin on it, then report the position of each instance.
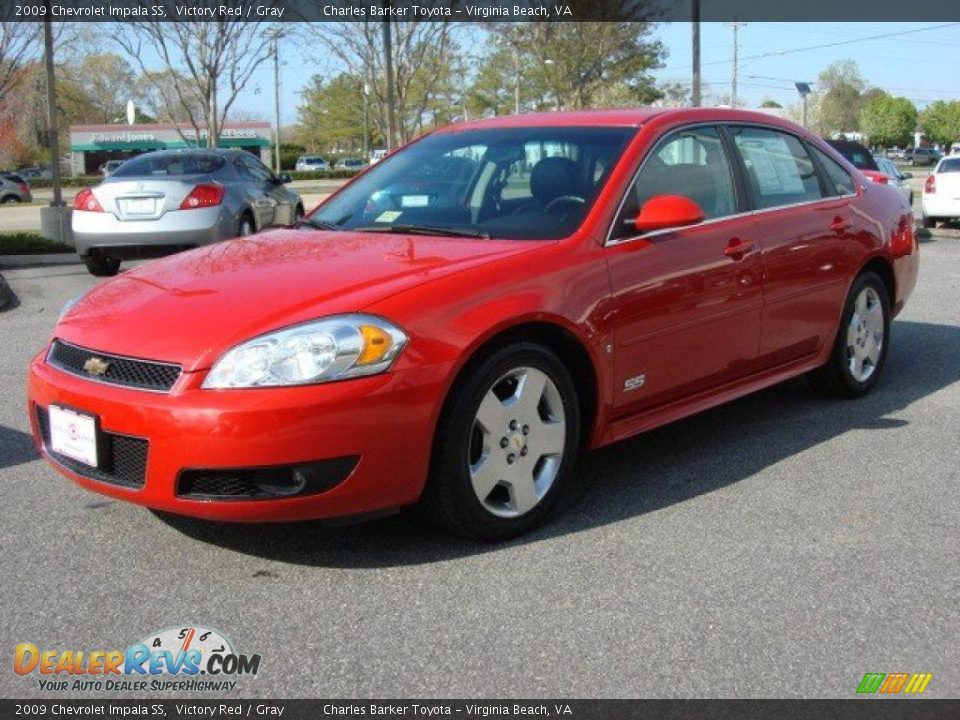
(454, 325)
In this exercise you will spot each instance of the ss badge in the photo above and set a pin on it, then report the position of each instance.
(634, 383)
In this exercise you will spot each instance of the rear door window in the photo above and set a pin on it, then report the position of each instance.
(840, 178)
(778, 169)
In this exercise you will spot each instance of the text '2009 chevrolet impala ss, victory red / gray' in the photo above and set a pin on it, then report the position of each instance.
(450, 328)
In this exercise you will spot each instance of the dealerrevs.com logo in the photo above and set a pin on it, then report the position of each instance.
(184, 658)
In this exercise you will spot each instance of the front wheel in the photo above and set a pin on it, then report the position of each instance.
(860, 348)
(102, 265)
(506, 443)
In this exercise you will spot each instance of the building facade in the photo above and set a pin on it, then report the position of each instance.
(92, 145)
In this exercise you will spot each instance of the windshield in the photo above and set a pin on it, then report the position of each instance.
(517, 183)
(168, 165)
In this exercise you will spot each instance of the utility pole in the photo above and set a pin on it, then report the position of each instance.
(276, 100)
(54, 220)
(388, 64)
(736, 47)
(52, 131)
(516, 84)
(695, 86)
(366, 122)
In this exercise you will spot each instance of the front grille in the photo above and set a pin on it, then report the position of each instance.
(129, 372)
(123, 459)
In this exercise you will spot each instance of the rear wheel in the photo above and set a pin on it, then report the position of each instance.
(505, 445)
(929, 222)
(9, 199)
(246, 226)
(860, 348)
(102, 265)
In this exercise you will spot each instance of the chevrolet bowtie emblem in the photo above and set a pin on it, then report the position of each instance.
(96, 366)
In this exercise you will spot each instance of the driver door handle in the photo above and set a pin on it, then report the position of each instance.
(737, 248)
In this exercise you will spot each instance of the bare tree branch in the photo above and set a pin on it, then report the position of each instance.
(206, 63)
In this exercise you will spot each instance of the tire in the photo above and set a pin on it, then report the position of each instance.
(519, 454)
(862, 341)
(9, 199)
(929, 222)
(102, 265)
(246, 226)
(298, 214)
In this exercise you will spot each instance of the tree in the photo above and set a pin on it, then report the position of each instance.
(575, 61)
(888, 120)
(109, 82)
(841, 86)
(422, 56)
(768, 103)
(941, 121)
(20, 44)
(206, 64)
(331, 115)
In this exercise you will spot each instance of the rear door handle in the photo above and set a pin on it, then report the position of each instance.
(737, 248)
(839, 225)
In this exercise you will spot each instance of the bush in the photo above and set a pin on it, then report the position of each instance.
(29, 243)
(72, 182)
(322, 174)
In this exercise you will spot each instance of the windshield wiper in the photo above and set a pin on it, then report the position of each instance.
(318, 224)
(423, 230)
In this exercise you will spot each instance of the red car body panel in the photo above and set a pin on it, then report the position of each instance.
(702, 324)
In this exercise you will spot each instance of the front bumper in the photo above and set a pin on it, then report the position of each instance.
(383, 423)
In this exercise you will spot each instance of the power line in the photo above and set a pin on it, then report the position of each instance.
(821, 46)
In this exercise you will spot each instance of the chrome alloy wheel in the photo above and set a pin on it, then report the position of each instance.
(517, 442)
(865, 335)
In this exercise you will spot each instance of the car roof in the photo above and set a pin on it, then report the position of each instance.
(622, 117)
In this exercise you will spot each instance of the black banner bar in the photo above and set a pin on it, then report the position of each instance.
(298, 11)
(854, 709)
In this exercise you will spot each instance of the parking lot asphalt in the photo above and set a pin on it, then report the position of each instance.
(781, 545)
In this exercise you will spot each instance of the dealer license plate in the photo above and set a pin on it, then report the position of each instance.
(73, 434)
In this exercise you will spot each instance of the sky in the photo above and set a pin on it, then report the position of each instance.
(919, 61)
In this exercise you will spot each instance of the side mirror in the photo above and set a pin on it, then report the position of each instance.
(285, 178)
(906, 175)
(667, 211)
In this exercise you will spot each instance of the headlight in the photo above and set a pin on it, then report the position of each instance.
(335, 348)
(68, 306)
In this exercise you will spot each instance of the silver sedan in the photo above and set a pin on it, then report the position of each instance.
(169, 200)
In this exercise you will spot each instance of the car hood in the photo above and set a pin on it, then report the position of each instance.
(191, 307)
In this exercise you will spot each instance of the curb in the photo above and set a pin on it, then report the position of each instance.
(38, 260)
(7, 298)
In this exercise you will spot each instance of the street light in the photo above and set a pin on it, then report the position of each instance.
(550, 62)
(804, 90)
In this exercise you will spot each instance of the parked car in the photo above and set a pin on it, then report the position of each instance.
(921, 156)
(898, 179)
(164, 201)
(432, 335)
(14, 188)
(940, 201)
(377, 155)
(35, 173)
(308, 163)
(110, 166)
(861, 158)
(350, 164)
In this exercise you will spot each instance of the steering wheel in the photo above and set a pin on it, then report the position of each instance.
(562, 199)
